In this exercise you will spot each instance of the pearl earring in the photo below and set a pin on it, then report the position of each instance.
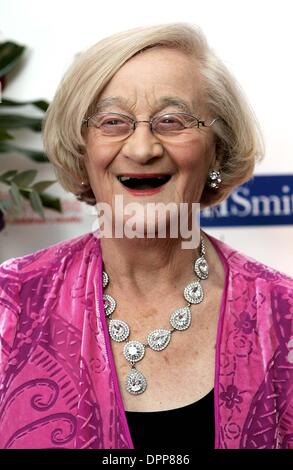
(214, 179)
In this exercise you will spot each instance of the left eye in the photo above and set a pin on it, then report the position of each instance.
(169, 123)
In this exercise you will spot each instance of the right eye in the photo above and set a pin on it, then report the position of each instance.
(112, 124)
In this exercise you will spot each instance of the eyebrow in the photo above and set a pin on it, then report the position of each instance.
(163, 102)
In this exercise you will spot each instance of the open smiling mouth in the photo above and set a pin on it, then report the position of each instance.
(143, 183)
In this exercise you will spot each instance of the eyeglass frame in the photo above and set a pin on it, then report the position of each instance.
(200, 122)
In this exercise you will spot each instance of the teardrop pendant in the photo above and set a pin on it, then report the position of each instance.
(159, 339)
(181, 318)
(109, 304)
(105, 279)
(193, 293)
(201, 268)
(119, 330)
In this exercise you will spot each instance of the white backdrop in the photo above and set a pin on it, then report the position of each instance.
(253, 38)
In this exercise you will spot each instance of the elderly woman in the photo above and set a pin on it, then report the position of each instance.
(134, 342)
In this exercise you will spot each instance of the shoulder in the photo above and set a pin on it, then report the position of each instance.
(251, 270)
(44, 258)
(31, 282)
(258, 292)
(45, 270)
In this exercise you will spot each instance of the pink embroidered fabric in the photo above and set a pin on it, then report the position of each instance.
(58, 382)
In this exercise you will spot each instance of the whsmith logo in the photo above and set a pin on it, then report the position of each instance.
(264, 200)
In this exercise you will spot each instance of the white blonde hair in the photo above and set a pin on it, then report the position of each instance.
(238, 138)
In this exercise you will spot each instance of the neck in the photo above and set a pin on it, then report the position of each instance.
(140, 266)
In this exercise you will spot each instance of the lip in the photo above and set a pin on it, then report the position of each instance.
(144, 192)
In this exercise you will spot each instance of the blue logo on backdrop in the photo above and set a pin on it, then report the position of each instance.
(264, 200)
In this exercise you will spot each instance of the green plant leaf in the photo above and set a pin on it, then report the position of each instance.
(36, 203)
(40, 104)
(48, 201)
(7, 175)
(24, 178)
(17, 121)
(15, 196)
(4, 135)
(42, 185)
(10, 53)
(35, 155)
(51, 202)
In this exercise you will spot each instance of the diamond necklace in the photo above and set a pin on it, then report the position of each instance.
(158, 339)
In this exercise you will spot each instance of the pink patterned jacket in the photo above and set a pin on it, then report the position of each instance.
(58, 383)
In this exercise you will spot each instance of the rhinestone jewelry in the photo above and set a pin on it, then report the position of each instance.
(105, 279)
(181, 318)
(136, 382)
(201, 268)
(214, 179)
(109, 304)
(119, 330)
(157, 340)
(134, 351)
(193, 293)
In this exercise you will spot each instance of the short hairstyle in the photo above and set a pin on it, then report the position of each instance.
(238, 140)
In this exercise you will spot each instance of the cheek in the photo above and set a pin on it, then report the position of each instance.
(97, 157)
(191, 157)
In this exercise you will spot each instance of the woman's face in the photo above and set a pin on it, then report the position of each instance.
(139, 87)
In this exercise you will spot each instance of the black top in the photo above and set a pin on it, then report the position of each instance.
(188, 427)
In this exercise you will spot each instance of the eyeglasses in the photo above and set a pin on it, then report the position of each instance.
(117, 126)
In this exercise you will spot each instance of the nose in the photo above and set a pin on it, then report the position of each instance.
(142, 145)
